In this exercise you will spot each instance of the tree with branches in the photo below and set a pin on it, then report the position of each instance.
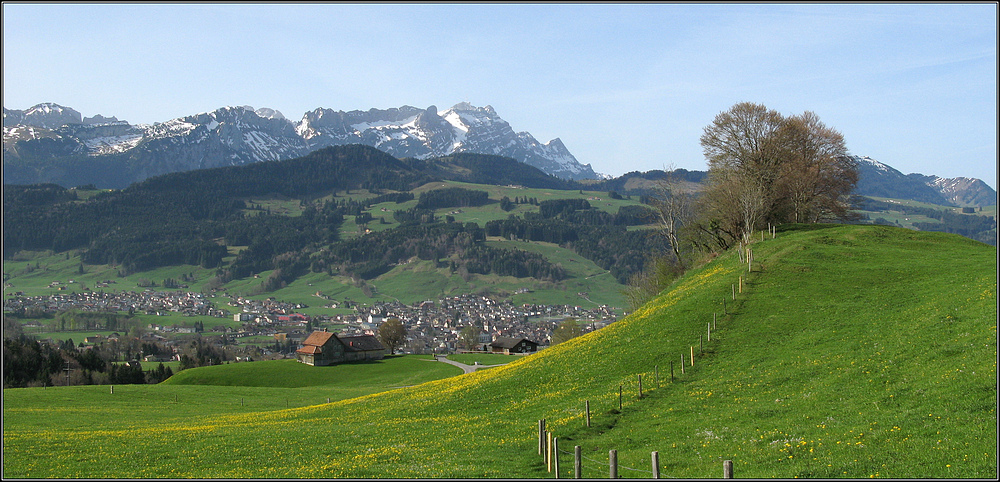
(392, 334)
(765, 167)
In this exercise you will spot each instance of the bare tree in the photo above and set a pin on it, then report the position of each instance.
(391, 333)
(744, 152)
(674, 206)
(817, 174)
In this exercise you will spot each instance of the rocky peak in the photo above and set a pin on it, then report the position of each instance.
(46, 114)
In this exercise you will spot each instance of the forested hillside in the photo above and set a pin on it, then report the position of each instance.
(219, 219)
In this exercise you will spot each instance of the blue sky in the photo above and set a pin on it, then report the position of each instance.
(626, 87)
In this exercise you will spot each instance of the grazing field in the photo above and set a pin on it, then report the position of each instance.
(849, 352)
(365, 377)
(483, 358)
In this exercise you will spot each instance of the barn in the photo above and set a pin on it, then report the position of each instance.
(513, 345)
(323, 348)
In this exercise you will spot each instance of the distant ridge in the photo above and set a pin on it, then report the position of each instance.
(52, 143)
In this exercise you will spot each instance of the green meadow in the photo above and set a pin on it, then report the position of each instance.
(840, 352)
(483, 358)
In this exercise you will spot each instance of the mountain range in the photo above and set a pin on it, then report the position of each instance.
(36, 139)
(53, 143)
(880, 180)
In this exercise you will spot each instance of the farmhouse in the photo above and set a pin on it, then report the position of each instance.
(323, 348)
(513, 345)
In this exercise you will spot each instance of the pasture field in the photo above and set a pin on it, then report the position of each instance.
(364, 377)
(483, 358)
(850, 352)
(481, 214)
(907, 220)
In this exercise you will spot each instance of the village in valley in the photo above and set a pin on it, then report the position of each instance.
(273, 329)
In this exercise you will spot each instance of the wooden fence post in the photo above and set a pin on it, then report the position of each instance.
(588, 413)
(682, 363)
(709, 332)
(555, 456)
(692, 356)
(672, 371)
(548, 451)
(112, 389)
(541, 437)
(613, 463)
(619, 397)
(734, 291)
(640, 385)
(656, 465)
(656, 375)
(727, 469)
(741, 283)
(577, 463)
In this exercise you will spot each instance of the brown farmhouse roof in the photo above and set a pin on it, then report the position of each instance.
(318, 338)
(361, 343)
(313, 344)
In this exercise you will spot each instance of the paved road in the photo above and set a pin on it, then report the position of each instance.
(465, 368)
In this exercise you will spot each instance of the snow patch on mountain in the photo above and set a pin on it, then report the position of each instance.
(876, 164)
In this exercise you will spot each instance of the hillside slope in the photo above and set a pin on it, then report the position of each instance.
(852, 351)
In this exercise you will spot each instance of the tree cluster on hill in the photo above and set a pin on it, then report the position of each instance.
(507, 205)
(607, 242)
(452, 197)
(376, 253)
(510, 262)
(768, 168)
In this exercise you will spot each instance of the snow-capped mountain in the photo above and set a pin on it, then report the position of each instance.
(46, 115)
(240, 135)
(880, 180)
(423, 133)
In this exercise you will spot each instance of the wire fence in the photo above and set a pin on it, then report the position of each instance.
(603, 463)
(550, 450)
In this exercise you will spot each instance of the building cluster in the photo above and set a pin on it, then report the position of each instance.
(148, 301)
(269, 312)
(436, 326)
(433, 326)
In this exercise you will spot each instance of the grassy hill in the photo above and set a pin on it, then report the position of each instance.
(851, 352)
